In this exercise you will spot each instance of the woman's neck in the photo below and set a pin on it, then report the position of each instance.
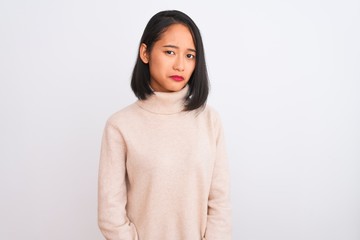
(165, 102)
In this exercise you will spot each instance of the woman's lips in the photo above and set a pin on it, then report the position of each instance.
(177, 78)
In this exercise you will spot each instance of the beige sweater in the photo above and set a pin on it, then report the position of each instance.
(163, 173)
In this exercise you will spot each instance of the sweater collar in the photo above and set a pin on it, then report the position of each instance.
(165, 102)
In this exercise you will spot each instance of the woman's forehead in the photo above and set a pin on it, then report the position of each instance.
(177, 35)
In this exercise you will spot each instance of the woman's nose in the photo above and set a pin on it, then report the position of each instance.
(179, 64)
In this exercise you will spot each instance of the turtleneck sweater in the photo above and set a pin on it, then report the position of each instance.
(164, 173)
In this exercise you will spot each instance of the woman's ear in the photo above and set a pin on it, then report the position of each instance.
(143, 53)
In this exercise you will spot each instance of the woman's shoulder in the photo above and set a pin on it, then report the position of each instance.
(123, 114)
(210, 115)
(211, 112)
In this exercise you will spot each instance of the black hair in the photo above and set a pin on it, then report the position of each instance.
(198, 82)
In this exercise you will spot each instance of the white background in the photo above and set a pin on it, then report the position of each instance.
(285, 78)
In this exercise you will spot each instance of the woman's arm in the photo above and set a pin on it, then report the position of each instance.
(112, 195)
(219, 225)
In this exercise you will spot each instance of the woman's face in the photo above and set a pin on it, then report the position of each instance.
(171, 60)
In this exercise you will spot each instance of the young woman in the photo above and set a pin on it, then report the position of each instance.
(163, 171)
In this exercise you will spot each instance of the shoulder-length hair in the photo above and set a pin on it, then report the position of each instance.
(198, 82)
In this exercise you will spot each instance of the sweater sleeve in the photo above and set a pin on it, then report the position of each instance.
(219, 226)
(112, 195)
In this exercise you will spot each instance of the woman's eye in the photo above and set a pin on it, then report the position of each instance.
(191, 56)
(170, 52)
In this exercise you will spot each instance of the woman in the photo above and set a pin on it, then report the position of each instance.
(163, 171)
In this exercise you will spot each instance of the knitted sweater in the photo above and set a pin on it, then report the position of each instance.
(163, 173)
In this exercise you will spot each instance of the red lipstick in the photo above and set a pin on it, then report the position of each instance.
(177, 78)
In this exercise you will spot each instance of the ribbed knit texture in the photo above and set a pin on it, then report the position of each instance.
(164, 173)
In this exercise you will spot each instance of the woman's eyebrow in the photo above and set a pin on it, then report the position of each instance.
(173, 46)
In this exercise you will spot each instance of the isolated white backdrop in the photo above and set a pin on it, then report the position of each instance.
(285, 78)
